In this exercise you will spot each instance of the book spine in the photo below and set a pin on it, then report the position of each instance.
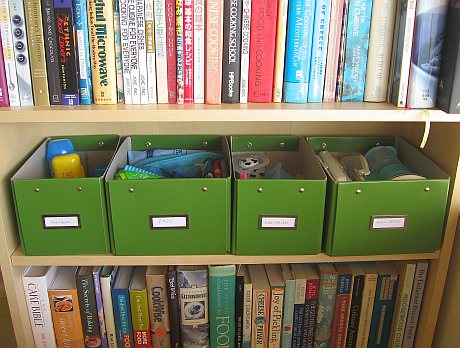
(180, 51)
(140, 318)
(318, 52)
(299, 307)
(198, 51)
(311, 308)
(231, 57)
(298, 50)
(288, 313)
(380, 44)
(342, 49)
(342, 308)
(82, 38)
(279, 51)
(65, 31)
(8, 54)
(155, 40)
(89, 315)
(430, 22)
(100, 309)
(106, 285)
(171, 47)
(158, 310)
(276, 316)
(21, 52)
(326, 304)
(100, 16)
(415, 303)
(403, 52)
(247, 315)
(188, 50)
(260, 318)
(245, 46)
(118, 53)
(239, 301)
(125, 50)
(355, 311)
(173, 304)
(333, 50)
(357, 45)
(4, 100)
(141, 51)
(133, 53)
(222, 305)
(262, 50)
(214, 43)
(122, 314)
(367, 307)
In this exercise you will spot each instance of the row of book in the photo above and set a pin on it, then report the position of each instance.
(287, 305)
(233, 51)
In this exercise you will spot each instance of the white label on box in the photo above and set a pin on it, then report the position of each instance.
(69, 221)
(388, 222)
(169, 222)
(278, 222)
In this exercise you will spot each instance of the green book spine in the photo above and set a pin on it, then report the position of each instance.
(288, 313)
(222, 284)
(140, 318)
(326, 304)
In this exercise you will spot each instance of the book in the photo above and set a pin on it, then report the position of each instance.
(125, 51)
(4, 100)
(406, 280)
(102, 48)
(247, 307)
(171, 49)
(214, 46)
(36, 281)
(342, 305)
(277, 285)
(342, 50)
(157, 291)
(173, 304)
(139, 308)
(118, 52)
(380, 45)
(318, 51)
(180, 51)
(88, 307)
(448, 97)
(188, 31)
(157, 57)
(280, 49)
(333, 50)
(231, 56)
(99, 305)
(260, 306)
(107, 277)
(326, 303)
(402, 43)
(198, 51)
(299, 304)
(367, 304)
(133, 52)
(288, 305)
(122, 307)
(298, 50)
(311, 305)
(385, 296)
(141, 51)
(421, 271)
(356, 49)
(262, 50)
(239, 307)
(245, 45)
(222, 305)
(355, 305)
(65, 309)
(426, 56)
(192, 282)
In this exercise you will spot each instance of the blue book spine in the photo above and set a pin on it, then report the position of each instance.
(357, 45)
(81, 28)
(319, 51)
(122, 314)
(298, 50)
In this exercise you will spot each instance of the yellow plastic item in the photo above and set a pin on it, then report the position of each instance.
(67, 166)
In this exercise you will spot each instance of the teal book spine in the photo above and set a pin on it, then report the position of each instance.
(325, 314)
(288, 313)
(357, 46)
(222, 285)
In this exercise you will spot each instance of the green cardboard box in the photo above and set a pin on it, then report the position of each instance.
(384, 216)
(64, 216)
(278, 216)
(170, 216)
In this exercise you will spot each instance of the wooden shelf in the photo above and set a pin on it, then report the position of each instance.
(252, 112)
(19, 259)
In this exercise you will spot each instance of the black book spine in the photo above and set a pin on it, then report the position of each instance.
(308, 329)
(231, 57)
(173, 302)
(51, 52)
(355, 311)
(239, 294)
(297, 325)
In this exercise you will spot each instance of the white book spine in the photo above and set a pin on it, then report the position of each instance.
(106, 290)
(125, 58)
(247, 314)
(151, 55)
(245, 39)
(142, 50)
(8, 54)
(198, 51)
(380, 44)
(36, 293)
(133, 52)
(280, 49)
(21, 52)
(160, 48)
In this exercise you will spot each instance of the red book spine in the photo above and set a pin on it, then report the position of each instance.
(4, 100)
(339, 328)
(142, 338)
(171, 49)
(188, 51)
(262, 50)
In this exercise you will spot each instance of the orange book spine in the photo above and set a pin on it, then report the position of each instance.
(214, 43)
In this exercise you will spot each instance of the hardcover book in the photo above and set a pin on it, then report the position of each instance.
(260, 306)
(125, 51)
(4, 100)
(355, 305)
(247, 307)
(280, 51)
(107, 277)
(277, 285)
(342, 47)
(155, 40)
(139, 308)
(122, 307)
(171, 49)
(342, 305)
(311, 305)
(239, 307)
(173, 304)
(133, 53)
(99, 305)
(288, 306)
(180, 51)
(299, 304)
(367, 304)
(141, 51)
(118, 53)
(188, 50)
(199, 38)
(245, 45)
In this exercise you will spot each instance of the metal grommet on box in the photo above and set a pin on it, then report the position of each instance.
(205, 144)
(36, 189)
(101, 144)
(130, 190)
(79, 188)
(358, 192)
(323, 145)
(248, 144)
(301, 190)
(204, 189)
(260, 189)
(282, 144)
(148, 144)
(427, 189)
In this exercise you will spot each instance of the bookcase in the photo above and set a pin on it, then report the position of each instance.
(21, 129)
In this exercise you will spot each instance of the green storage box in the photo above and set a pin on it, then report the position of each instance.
(170, 216)
(384, 217)
(279, 216)
(64, 216)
